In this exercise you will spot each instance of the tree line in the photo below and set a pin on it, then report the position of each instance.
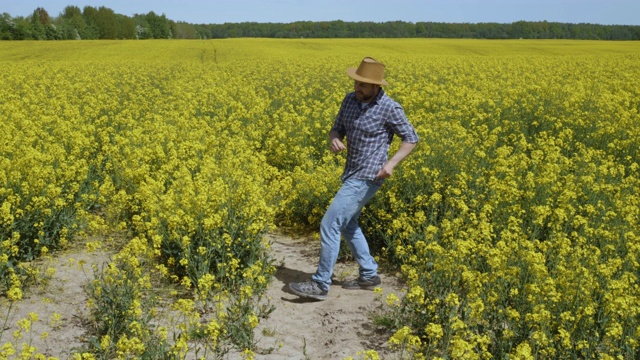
(103, 23)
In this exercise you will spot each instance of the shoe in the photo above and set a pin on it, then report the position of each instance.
(308, 289)
(360, 283)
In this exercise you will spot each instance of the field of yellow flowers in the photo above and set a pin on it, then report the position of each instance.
(515, 222)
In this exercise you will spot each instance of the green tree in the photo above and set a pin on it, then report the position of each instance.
(6, 27)
(126, 27)
(337, 28)
(158, 25)
(555, 30)
(204, 31)
(90, 31)
(142, 27)
(21, 29)
(72, 23)
(39, 22)
(43, 27)
(107, 23)
(520, 30)
(40, 15)
(104, 23)
(183, 30)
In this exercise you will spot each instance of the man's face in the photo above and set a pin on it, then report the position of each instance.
(365, 92)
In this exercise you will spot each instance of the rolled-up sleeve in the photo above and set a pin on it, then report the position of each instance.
(339, 122)
(400, 125)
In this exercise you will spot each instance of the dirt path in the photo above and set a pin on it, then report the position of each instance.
(60, 305)
(336, 328)
(307, 329)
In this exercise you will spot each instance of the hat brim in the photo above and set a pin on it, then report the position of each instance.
(352, 74)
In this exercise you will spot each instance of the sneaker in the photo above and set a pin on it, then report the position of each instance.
(360, 283)
(308, 289)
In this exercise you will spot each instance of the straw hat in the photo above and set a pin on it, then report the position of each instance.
(370, 71)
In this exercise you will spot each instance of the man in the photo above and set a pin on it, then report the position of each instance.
(369, 119)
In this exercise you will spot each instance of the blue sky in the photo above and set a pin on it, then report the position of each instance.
(607, 12)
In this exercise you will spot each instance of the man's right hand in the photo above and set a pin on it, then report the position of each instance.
(337, 145)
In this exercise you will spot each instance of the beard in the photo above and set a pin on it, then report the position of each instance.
(362, 97)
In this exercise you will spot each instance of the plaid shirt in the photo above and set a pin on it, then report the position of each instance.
(369, 131)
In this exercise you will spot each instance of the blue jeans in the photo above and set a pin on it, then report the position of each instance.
(342, 218)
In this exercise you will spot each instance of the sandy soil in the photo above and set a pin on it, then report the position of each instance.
(335, 328)
(59, 302)
(298, 328)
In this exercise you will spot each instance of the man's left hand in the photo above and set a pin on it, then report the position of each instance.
(385, 172)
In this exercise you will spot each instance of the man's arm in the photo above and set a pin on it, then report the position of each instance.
(403, 151)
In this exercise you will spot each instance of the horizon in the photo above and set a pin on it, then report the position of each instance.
(596, 12)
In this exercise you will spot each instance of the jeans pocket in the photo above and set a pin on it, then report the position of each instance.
(372, 183)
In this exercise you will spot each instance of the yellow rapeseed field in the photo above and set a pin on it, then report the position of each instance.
(515, 222)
